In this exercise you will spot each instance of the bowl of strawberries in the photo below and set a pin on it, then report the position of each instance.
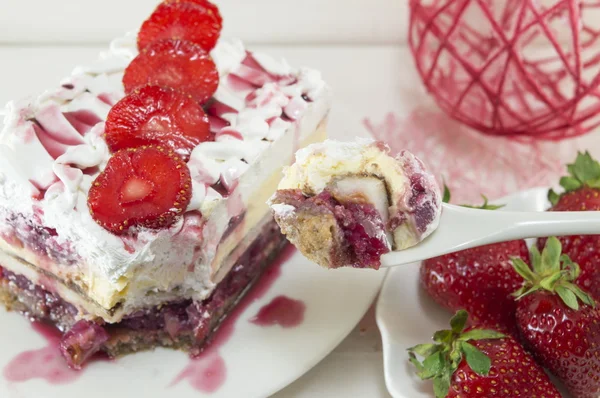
(518, 318)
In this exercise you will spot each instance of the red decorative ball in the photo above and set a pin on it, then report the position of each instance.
(511, 67)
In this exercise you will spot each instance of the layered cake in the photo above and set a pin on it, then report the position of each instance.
(133, 196)
(349, 203)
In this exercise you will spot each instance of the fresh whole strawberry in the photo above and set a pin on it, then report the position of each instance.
(177, 64)
(155, 115)
(181, 20)
(146, 187)
(479, 363)
(479, 280)
(562, 335)
(581, 193)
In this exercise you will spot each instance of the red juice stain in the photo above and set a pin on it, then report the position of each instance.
(283, 311)
(208, 371)
(44, 363)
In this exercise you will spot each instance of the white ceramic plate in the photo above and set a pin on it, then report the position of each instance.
(407, 316)
(259, 360)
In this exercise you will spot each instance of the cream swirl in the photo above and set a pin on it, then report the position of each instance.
(257, 102)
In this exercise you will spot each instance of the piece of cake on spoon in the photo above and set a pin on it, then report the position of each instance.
(348, 203)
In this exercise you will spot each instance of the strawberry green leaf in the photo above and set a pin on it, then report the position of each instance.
(585, 171)
(443, 336)
(581, 295)
(585, 168)
(485, 205)
(521, 292)
(523, 269)
(551, 256)
(477, 360)
(568, 297)
(446, 197)
(455, 356)
(413, 359)
(458, 321)
(441, 385)
(425, 350)
(526, 291)
(432, 366)
(570, 184)
(565, 259)
(553, 272)
(549, 282)
(572, 269)
(536, 260)
(553, 197)
(443, 359)
(595, 183)
(481, 334)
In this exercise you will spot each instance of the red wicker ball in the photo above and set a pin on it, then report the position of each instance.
(511, 67)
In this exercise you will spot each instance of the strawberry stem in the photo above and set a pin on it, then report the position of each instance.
(441, 360)
(553, 272)
(484, 206)
(446, 197)
(585, 171)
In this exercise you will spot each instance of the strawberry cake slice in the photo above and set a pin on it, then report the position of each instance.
(133, 196)
(348, 203)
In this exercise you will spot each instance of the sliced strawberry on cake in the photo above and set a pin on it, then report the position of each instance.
(210, 7)
(155, 115)
(192, 21)
(145, 187)
(178, 64)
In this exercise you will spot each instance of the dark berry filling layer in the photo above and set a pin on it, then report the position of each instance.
(43, 241)
(361, 223)
(365, 232)
(186, 324)
(424, 211)
(423, 203)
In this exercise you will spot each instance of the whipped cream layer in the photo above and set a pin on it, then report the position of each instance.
(409, 200)
(52, 148)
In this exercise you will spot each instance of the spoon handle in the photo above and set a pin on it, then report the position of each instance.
(463, 228)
